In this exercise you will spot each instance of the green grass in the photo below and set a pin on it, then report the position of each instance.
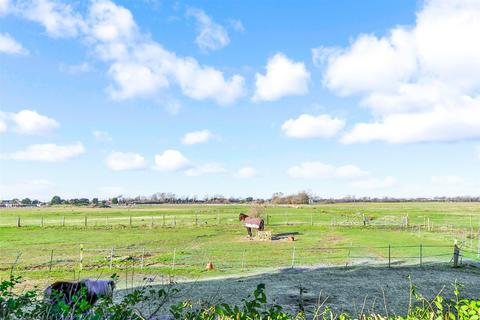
(198, 234)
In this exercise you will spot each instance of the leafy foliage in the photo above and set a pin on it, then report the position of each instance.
(137, 305)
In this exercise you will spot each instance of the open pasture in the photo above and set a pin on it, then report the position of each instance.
(179, 240)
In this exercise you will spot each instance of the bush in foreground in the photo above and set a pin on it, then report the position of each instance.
(148, 302)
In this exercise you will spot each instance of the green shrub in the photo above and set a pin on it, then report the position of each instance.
(147, 303)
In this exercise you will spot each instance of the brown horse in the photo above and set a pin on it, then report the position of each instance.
(251, 223)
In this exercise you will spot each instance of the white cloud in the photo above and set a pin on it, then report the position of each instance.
(102, 136)
(4, 7)
(447, 180)
(236, 25)
(283, 77)
(196, 137)
(110, 31)
(319, 170)
(47, 152)
(374, 183)
(133, 55)
(121, 161)
(59, 19)
(211, 35)
(32, 123)
(308, 126)
(205, 169)
(370, 63)
(245, 173)
(3, 122)
(421, 83)
(171, 160)
(439, 124)
(9, 45)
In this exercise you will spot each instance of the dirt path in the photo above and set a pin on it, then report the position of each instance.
(344, 289)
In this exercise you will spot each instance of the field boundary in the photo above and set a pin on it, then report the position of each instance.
(183, 261)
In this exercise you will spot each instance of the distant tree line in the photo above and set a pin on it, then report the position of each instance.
(56, 200)
(277, 198)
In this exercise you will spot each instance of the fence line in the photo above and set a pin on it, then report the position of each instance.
(202, 218)
(240, 260)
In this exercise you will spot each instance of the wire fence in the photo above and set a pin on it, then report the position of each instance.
(468, 233)
(205, 218)
(190, 261)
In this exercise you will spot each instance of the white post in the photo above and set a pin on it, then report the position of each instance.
(81, 257)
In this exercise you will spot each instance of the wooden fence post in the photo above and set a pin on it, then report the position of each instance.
(143, 257)
(41, 221)
(164, 219)
(18, 222)
(196, 218)
(268, 222)
(456, 254)
(151, 222)
(111, 258)
(174, 221)
(63, 221)
(130, 221)
(389, 256)
(81, 257)
(86, 221)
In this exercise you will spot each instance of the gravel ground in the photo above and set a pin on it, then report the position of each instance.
(344, 289)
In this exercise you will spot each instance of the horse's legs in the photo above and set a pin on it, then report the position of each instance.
(249, 230)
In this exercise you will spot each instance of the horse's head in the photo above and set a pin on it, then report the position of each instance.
(242, 217)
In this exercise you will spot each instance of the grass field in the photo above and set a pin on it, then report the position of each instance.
(180, 240)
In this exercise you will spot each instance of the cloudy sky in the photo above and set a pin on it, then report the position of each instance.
(376, 98)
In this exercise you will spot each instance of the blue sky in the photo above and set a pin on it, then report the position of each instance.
(239, 98)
